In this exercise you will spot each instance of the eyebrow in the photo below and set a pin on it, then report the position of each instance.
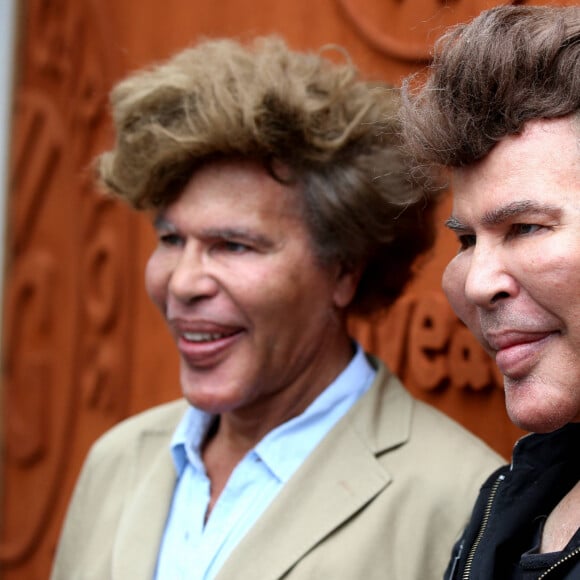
(161, 223)
(505, 213)
(241, 234)
(454, 224)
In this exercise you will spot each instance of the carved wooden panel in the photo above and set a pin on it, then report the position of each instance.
(405, 30)
(83, 346)
(67, 310)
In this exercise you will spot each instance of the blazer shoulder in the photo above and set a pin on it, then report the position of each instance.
(421, 422)
(398, 425)
(445, 431)
(159, 421)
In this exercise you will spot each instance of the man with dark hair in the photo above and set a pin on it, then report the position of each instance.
(500, 109)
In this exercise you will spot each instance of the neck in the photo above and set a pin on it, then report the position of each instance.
(244, 427)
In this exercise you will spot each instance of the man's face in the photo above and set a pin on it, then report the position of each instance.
(515, 281)
(257, 320)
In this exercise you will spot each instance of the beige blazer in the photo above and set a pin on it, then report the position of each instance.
(383, 496)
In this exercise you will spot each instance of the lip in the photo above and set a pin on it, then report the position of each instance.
(517, 352)
(218, 340)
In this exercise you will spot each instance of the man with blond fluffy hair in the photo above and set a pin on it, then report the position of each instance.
(281, 205)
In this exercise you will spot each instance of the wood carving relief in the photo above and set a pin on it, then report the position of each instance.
(40, 298)
(104, 283)
(406, 29)
(67, 298)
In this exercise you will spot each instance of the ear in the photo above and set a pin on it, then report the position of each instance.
(347, 281)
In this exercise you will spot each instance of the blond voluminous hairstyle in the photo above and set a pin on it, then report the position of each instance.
(337, 134)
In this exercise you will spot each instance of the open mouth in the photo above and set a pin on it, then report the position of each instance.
(205, 336)
(205, 349)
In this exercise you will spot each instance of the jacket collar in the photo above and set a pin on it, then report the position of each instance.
(337, 480)
(536, 450)
(143, 521)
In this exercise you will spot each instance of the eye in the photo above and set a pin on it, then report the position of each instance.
(524, 229)
(234, 247)
(170, 239)
(466, 241)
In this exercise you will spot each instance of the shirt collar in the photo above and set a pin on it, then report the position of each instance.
(287, 445)
(188, 438)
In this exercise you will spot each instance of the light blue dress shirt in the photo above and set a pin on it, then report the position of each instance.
(193, 549)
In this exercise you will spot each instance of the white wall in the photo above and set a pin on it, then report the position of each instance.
(7, 48)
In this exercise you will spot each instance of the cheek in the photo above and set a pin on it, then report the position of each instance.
(550, 277)
(453, 283)
(156, 279)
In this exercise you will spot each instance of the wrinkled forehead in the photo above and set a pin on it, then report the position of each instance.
(537, 168)
(540, 139)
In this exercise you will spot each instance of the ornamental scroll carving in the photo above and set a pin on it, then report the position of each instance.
(406, 29)
(67, 297)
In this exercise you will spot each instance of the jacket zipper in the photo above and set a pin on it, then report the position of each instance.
(486, 514)
(572, 554)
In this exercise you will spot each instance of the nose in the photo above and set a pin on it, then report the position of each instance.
(488, 280)
(190, 278)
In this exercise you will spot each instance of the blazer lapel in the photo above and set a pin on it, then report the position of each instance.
(141, 527)
(325, 492)
(338, 479)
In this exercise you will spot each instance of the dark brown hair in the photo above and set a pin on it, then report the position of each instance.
(337, 134)
(508, 66)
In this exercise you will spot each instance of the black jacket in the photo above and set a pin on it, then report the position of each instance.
(507, 517)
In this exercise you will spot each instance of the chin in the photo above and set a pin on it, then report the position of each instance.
(538, 420)
(209, 401)
(538, 406)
